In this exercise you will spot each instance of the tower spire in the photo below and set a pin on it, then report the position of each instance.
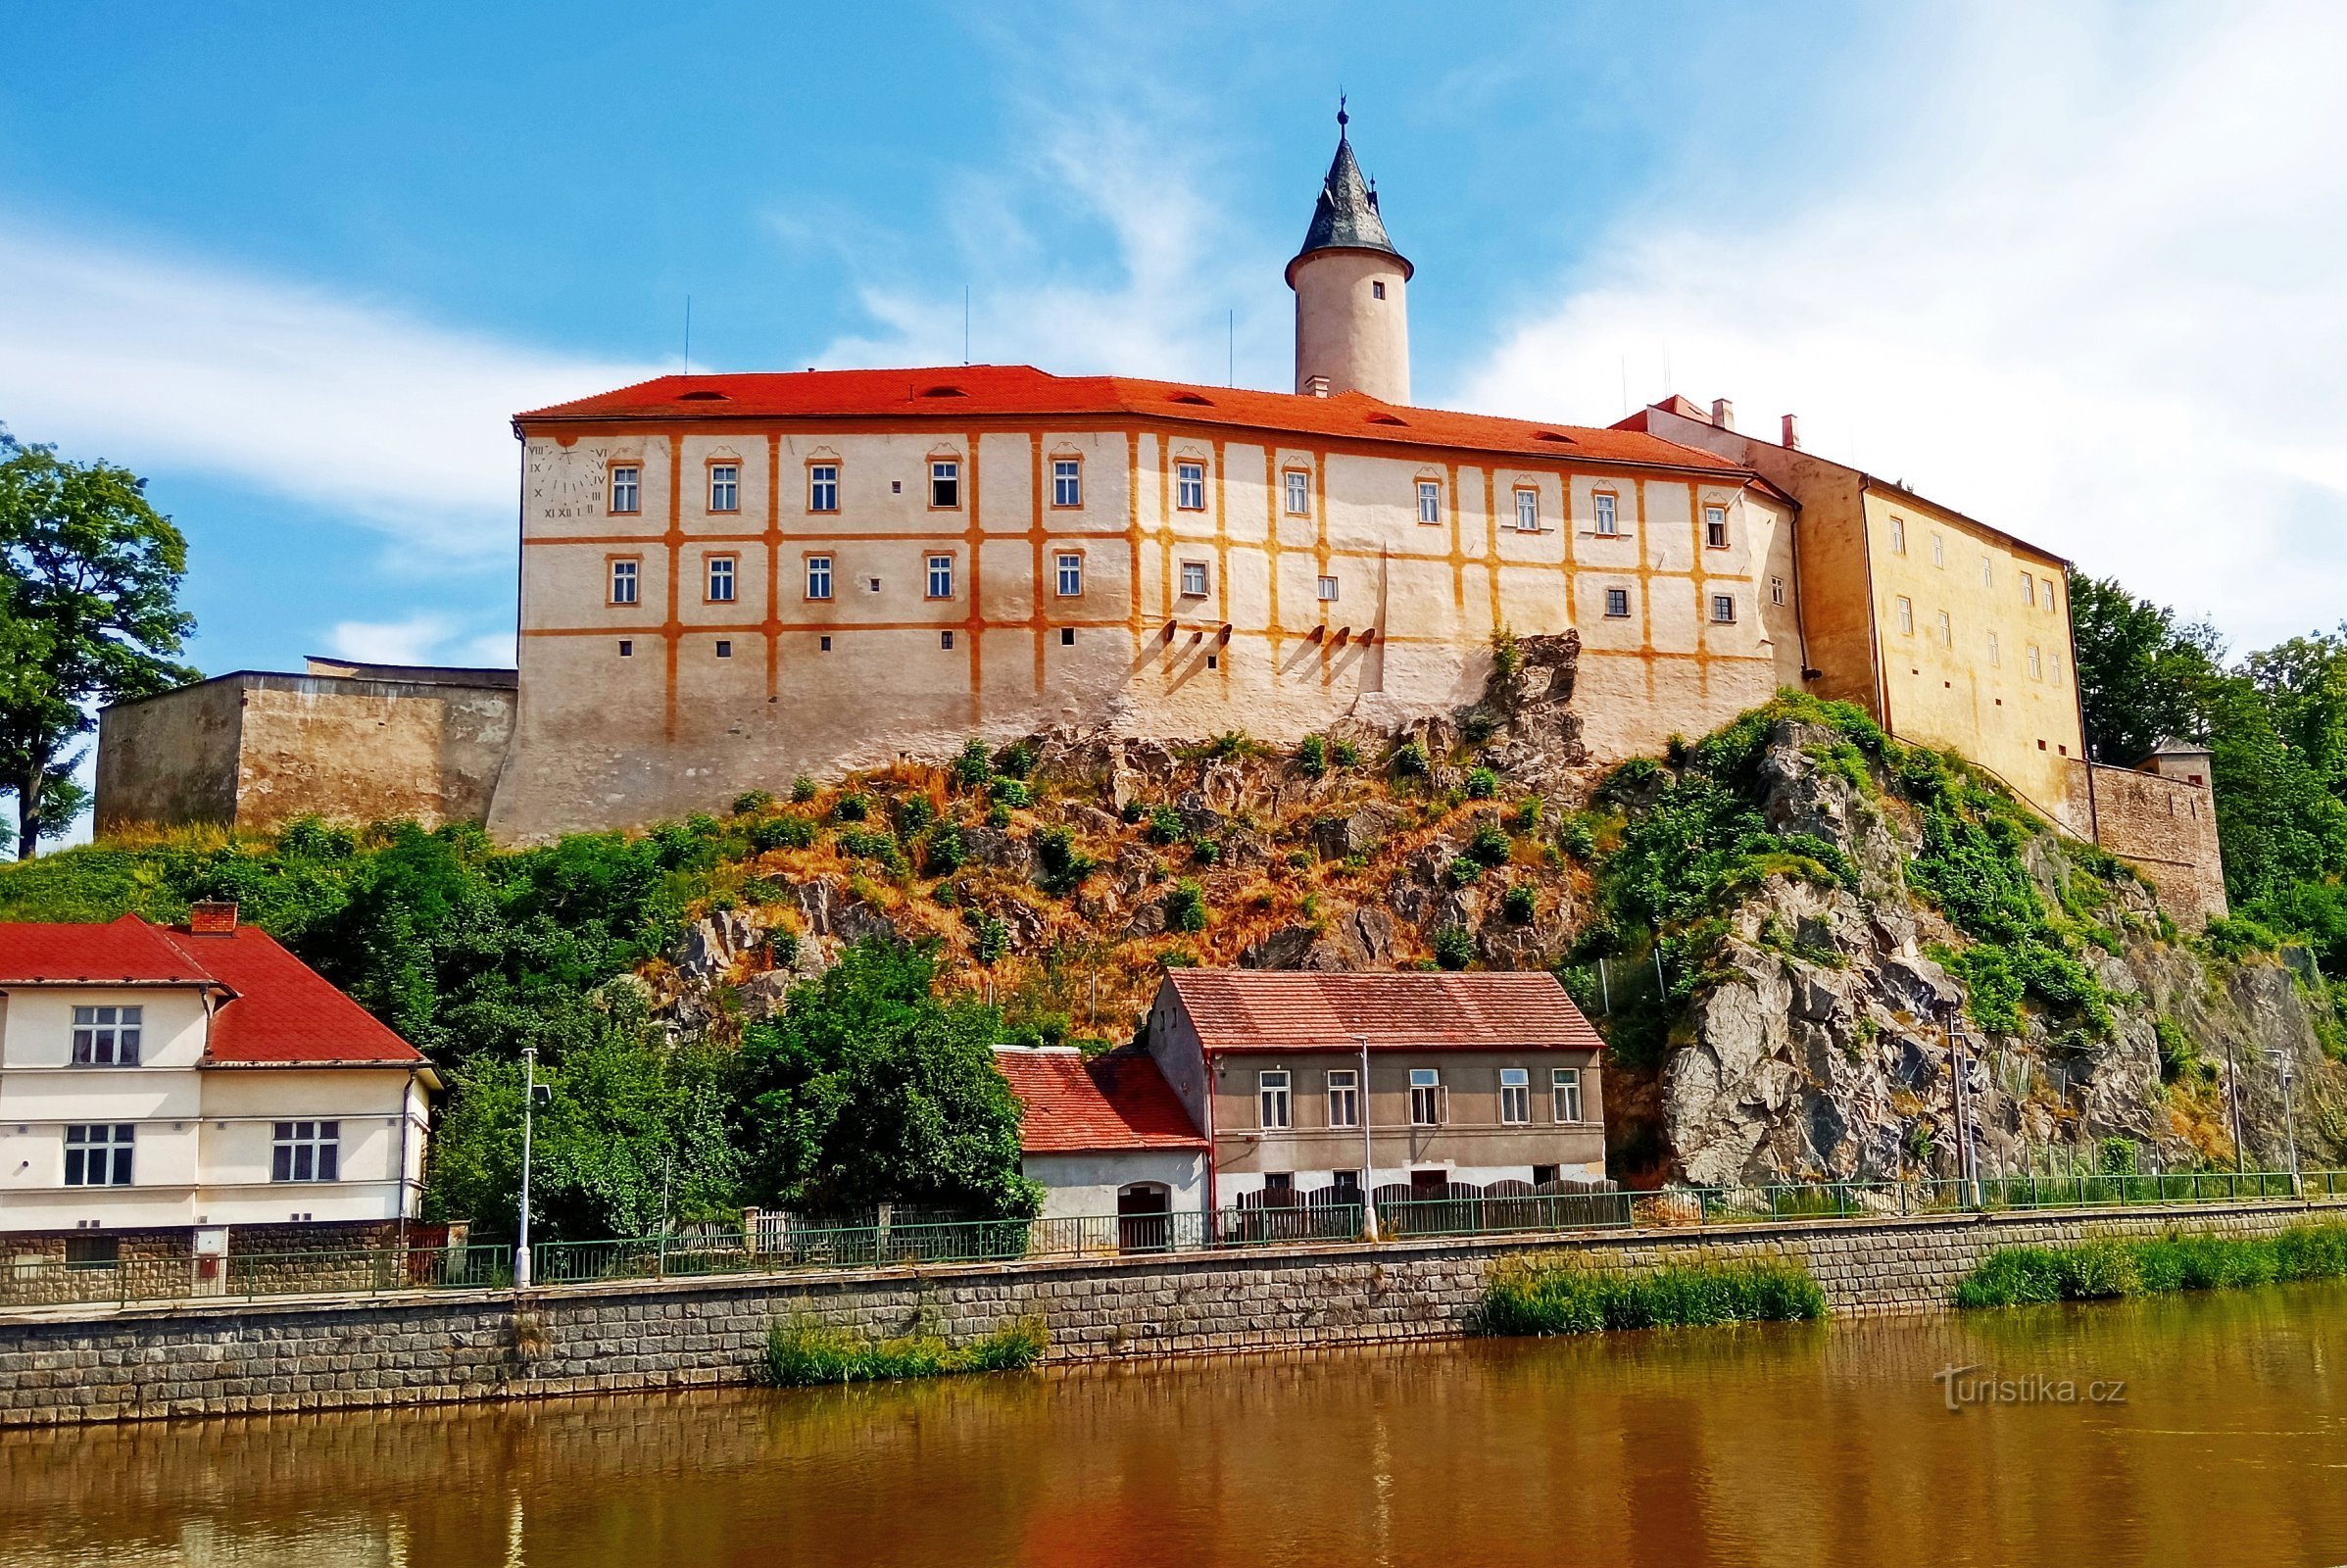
(1352, 329)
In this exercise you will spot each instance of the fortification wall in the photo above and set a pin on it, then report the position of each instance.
(2164, 828)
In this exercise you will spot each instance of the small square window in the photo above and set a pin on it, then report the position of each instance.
(1775, 590)
(1327, 590)
(823, 645)
(1722, 609)
(944, 639)
(1377, 291)
(871, 585)
(1193, 579)
(1715, 528)
(1528, 512)
(1429, 501)
(1190, 486)
(1609, 524)
(945, 484)
(1067, 636)
(725, 487)
(1214, 662)
(1617, 603)
(725, 649)
(627, 649)
(1067, 482)
(1299, 492)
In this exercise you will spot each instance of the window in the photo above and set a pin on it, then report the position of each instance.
(1067, 636)
(99, 1156)
(1775, 590)
(1327, 590)
(1190, 486)
(1564, 1092)
(1280, 1184)
(627, 649)
(2029, 589)
(1067, 482)
(1608, 523)
(945, 484)
(823, 645)
(1071, 575)
(818, 577)
(1715, 528)
(940, 576)
(822, 487)
(1377, 291)
(305, 1152)
(1617, 603)
(1947, 632)
(945, 641)
(93, 1251)
(2048, 596)
(1994, 656)
(1528, 512)
(725, 649)
(2036, 669)
(1543, 1174)
(1344, 1098)
(1939, 551)
(1426, 1097)
(107, 1037)
(1906, 615)
(625, 579)
(720, 580)
(1271, 1098)
(1193, 579)
(1987, 572)
(1299, 493)
(1515, 1095)
(1347, 1181)
(1898, 536)
(626, 480)
(1722, 609)
(1429, 501)
(725, 487)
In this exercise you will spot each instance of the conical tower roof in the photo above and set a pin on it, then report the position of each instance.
(1347, 218)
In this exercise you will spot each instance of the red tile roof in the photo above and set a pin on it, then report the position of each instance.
(121, 952)
(954, 395)
(1116, 1101)
(1275, 1009)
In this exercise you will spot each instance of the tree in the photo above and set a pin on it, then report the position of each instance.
(89, 615)
(868, 1088)
(2304, 683)
(2142, 678)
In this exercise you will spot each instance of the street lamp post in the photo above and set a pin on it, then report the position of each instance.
(1368, 1166)
(2289, 1069)
(529, 1099)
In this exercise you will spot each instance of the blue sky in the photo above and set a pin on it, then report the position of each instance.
(2073, 269)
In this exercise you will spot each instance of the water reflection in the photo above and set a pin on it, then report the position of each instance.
(1797, 1445)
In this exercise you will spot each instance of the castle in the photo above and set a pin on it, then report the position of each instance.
(730, 579)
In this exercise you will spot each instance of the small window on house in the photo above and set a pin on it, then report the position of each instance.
(1067, 482)
(1327, 590)
(1715, 528)
(1775, 590)
(93, 1251)
(945, 484)
(1377, 291)
(1898, 536)
(626, 481)
(1190, 486)
(1071, 575)
(1067, 636)
(1214, 661)
(1528, 512)
(945, 641)
(1906, 610)
(1617, 603)
(1299, 493)
(1995, 654)
(822, 487)
(818, 577)
(1543, 1174)
(823, 645)
(1429, 501)
(1564, 1092)
(1426, 1097)
(1987, 572)
(305, 1152)
(1515, 1095)
(627, 647)
(107, 1037)
(1939, 551)
(1271, 1098)
(720, 580)
(1193, 579)
(2036, 667)
(99, 1155)
(1947, 632)
(625, 578)
(725, 487)
(2029, 589)
(1345, 1096)
(940, 576)
(2048, 596)
(1722, 609)
(725, 648)
(1609, 523)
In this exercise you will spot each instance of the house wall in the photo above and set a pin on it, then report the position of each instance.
(1085, 1185)
(171, 761)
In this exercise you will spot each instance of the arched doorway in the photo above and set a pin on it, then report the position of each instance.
(1144, 1218)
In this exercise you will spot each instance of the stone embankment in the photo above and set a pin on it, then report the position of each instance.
(62, 1367)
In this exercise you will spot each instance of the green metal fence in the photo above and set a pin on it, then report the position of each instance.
(245, 1276)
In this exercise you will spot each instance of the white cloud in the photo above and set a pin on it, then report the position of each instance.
(417, 640)
(2085, 286)
(345, 404)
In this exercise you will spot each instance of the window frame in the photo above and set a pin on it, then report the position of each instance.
(1605, 513)
(2028, 590)
(308, 1151)
(1328, 588)
(1997, 653)
(116, 1148)
(611, 576)
(819, 562)
(1075, 501)
(733, 485)
(633, 467)
(731, 562)
(1515, 1096)
(1296, 485)
(936, 560)
(121, 1035)
(1775, 590)
(1564, 1091)
(1723, 610)
(1528, 509)
(1430, 502)
(1206, 580)
(1344, 1098)
(815, 467)
(1060, 566)
(1898, 536)
(2037, 663)
(1612, 595)
(1427, 1106)
(1715, 525)
(951, 477)
(1189, 484)
(1947, 629)
(1274, 1095)
(1903, 607)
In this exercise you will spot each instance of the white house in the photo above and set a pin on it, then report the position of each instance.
(1105, 1137)
(175, 1083)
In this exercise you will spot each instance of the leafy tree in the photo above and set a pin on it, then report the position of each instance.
(89, 615)
(2304, 684)
(2142, 678)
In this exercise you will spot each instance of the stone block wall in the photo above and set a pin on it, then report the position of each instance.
(2166, 829)
(72, 1365)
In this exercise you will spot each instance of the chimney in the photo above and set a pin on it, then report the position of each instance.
(1791, 439)
(210, 919)
(1317, 385)
(1723, 413)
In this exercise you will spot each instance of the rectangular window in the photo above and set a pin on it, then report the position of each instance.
(1193, 579)
(1564, 1092)
(940, 576)
(305, 1152)
(1987, 572)
(626, 575)
(93, 1251)
(1775, 590)
(107, 1037)
(818, 577)
(1071, 576)
(1067, 636)
(2028, 590)
(1947, 631)
(1190, 486)
(822, 487)
(1377, 291)
(2036, 669)
(1996, 657)
(1067, 482)
(1515, 1095)
(1722, 609)
(945, 484)
(1299, 493)
(725, 487)
(2048, 596)
(1528, 512)
(720, 580)
(1617, 603)
(1609, 524)
(1715, 528)
(1327, 590)
(1344, 1098)
(1906, 615)
(945, 641)
(1429, 501)
(627, 649)
(1271, 1098)
(1939, 551)
(725, 649)
(626, 487)
(99, 1156)
(1426, 1097)
(1898, 536)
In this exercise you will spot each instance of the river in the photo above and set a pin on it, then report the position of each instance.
(2208, 1430)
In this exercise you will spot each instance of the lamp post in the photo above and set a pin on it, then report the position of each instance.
(1368, 1168)
(2289, 1069)
(529, 1100)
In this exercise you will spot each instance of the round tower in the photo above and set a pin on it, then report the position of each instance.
(1353, 318)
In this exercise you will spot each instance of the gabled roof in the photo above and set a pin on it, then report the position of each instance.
(1280, 1010)
(956, 396)
(1116, 1101)
(125, 950)
(1346, 215)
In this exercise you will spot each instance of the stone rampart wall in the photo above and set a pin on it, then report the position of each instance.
(2166, 829)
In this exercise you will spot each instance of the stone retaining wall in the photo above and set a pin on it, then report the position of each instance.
(143, 1361)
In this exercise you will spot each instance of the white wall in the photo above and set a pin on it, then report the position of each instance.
(1086, 1184)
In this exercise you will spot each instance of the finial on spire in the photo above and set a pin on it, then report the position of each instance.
(1343, 119)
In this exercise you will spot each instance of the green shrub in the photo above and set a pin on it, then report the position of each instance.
(782, 946)
(1009, 791)
(974, 767)
(1346, 754)
(1133, 811)
(1313, 757)
(994, 939)
(750, 801)
(1060, 867)
(2107, 1267)
(1520, 905)
(1575, 1297)
(799, 1354)
(874, 845)
(851, 807)
(997, 814)
(1165, 825)
(944, 851)
(914, 813)
(1482, 784)
(1454, 947)
(2237, 937)
(786, 830)
(1205, 851)
(1477, 727)
(1409, 761)
(2011, 1276)
(1490, 844)
(1465, 869)
(1575, 837)
(1528, 814)
(1015, 761)
(802, 789)
(1186, 908)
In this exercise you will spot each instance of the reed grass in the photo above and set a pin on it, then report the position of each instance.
(799, 1354)
(1575, 1297)
(2107, 1267)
